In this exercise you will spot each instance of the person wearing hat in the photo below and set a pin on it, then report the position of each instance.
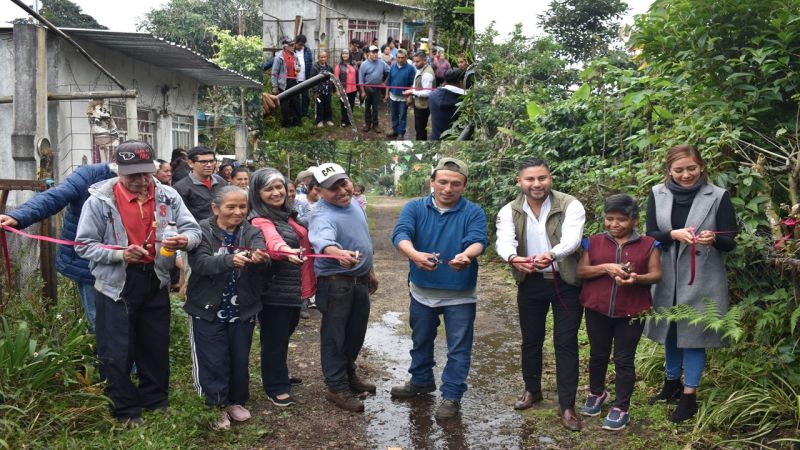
(539, 234)
(442, 235)
(372, 73)
(443, 103)
(339, 228)
(401, 77)
(130, 214)
(285, 72)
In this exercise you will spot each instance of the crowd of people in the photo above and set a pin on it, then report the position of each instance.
(399, 77)
(258, 248)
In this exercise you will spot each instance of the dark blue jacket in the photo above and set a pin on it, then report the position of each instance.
(309, 61)
(401, 76)
(448, 234)
(72, 193)
(443, 105)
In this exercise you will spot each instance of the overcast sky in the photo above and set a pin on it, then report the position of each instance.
(507, 13)
(115, 14)
(122, 15)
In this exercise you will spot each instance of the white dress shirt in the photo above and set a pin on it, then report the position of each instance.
(536, 234)
(299, 56)
(426, 84)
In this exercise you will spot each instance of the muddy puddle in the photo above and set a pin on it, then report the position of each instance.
(487, 419)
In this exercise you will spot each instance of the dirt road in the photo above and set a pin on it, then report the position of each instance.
(487, 420)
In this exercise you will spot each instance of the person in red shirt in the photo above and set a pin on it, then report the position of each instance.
(122, 225)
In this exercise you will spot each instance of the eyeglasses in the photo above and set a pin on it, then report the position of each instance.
(206, 162)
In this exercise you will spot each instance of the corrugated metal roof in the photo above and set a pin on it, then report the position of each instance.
(398, 5)
(162, 53)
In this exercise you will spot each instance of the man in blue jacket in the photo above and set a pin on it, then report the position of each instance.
(402, 76)
(71, 193)
(444, 101)
(441, 235)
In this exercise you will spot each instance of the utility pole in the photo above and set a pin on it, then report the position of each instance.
(240, 137)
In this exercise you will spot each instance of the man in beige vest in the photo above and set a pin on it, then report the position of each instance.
(418, 96)
(539, 234)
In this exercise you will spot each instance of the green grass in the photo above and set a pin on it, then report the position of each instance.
(307, 130)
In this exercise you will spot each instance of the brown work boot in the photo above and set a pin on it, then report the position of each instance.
(345, 400)
(357, 385)
(571, 420)
(527, 399)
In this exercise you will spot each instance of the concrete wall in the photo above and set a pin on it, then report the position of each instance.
(68, 124)
(76, 74)
(286, 10)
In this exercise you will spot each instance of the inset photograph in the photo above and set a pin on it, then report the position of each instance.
(367, 70)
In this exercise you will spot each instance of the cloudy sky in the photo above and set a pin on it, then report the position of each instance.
(116, 15)
(507, 13)
(123, 15)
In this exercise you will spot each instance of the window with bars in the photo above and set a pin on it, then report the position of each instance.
(363, 30)
(393, 30)
(182, 132)
(146, 120)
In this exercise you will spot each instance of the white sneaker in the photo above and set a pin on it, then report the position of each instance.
(224, 422)
(330, 124)
(238, 413)
(319, 124)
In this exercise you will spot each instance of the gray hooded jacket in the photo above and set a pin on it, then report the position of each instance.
(101, 223)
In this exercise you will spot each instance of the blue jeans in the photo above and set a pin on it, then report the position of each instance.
(692, 360)
(399, 111)
(87, 293)
(458, 326)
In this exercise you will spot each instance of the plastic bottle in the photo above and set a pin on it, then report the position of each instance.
(170, 230)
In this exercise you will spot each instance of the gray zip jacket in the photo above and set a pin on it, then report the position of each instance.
(101, 223)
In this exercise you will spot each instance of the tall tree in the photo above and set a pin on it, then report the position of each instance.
(64, 13)
(188, 22)
(584, 28)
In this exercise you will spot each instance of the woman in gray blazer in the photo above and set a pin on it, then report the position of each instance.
(688, 214)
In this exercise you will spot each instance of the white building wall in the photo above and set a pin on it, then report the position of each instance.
(74, 141)
(286, 10)
(6, 109)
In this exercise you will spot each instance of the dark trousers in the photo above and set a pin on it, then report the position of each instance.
(372, 105)
(135, 329)
(534, 297)
(351, 98)
(277, 325)
(304, 101)
(421, 123)
(220, 355)
(290, 108)
(324, 109)
(345, 313)
(624, 333)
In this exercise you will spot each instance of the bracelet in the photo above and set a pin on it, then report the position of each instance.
(512, 256)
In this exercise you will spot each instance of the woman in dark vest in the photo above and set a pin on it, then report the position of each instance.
(222, 300)
(617, 269)
(688, 214)
(292, 279)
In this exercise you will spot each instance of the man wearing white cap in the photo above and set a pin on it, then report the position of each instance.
(372, 73)
(339, 228)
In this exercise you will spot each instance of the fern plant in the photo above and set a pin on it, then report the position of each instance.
(710, 318)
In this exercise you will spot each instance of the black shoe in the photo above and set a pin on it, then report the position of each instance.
(295, 381)
(288, 401)
(687, 407)
(411, 390)
(670, 390)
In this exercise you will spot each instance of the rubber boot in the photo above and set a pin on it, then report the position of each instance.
(687, 407)
(670, 390)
